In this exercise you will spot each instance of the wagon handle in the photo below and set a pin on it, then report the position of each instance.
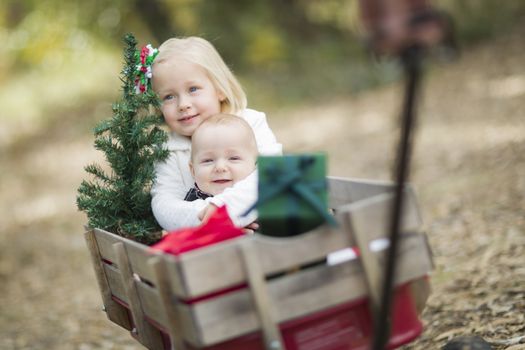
(402, 28)
(411, 59)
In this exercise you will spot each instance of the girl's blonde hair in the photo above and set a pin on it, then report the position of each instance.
(201, 52)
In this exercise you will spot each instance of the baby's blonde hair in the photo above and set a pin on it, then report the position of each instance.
(227, 120)
(201, 52)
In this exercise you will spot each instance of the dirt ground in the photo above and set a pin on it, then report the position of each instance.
(468, 169)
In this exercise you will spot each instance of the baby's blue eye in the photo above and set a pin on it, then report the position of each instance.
(235, 158)
(193, 89)
(168, 97)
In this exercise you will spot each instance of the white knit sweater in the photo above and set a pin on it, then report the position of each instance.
(173, 180)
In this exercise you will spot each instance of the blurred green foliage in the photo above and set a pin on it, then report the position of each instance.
(283, 50)
(477, 20)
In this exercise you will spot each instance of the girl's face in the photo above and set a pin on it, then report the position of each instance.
(187, 94)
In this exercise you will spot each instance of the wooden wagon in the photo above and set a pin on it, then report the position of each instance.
(308, 292)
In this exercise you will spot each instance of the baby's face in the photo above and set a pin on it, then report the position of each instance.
(222, 156)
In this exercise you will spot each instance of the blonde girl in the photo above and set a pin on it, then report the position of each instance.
(194, 83)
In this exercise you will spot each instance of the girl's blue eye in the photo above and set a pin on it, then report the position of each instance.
(193, 89)
(168, 97)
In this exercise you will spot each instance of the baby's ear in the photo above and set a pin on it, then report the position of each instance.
(222, 97)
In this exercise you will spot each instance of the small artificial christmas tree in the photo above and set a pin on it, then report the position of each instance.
(120, 202)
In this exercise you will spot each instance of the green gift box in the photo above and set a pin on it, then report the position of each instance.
(292, 194)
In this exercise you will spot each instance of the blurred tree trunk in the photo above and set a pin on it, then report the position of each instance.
(15, 13)
(156, 16)
(291, 16)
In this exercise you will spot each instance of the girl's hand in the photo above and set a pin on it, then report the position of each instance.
(205, 213)
(251, 228)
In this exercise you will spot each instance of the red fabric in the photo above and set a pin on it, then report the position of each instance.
(218, 228)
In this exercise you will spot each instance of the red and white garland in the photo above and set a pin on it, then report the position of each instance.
(144, 60)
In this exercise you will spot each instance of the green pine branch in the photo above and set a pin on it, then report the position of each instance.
(119, 200)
